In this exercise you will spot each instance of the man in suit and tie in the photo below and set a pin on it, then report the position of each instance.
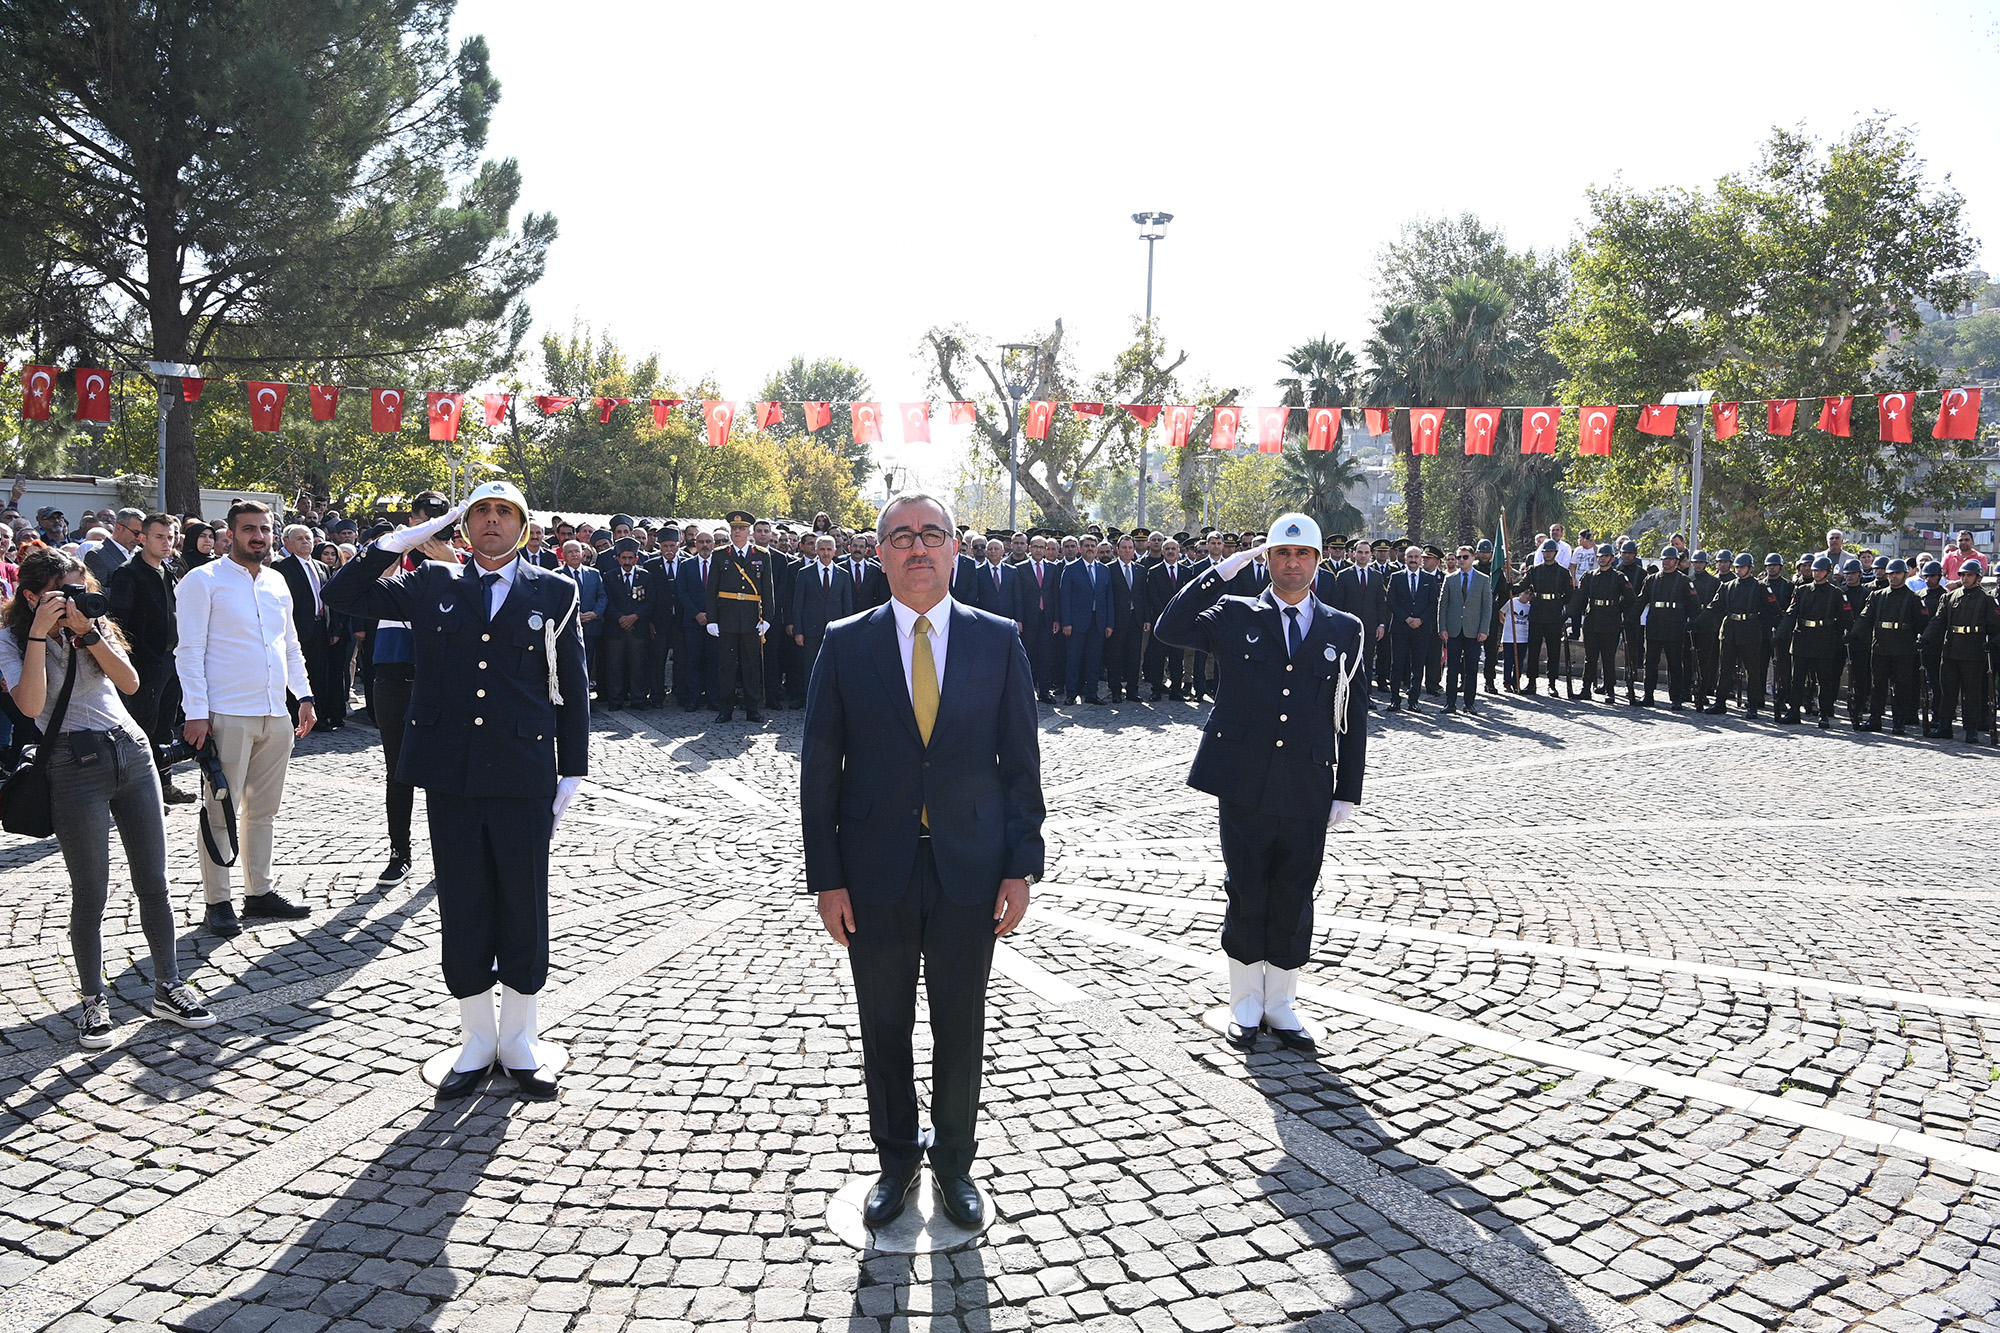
(306, 576)
(537, 553)
(628, 629)
(1362, 590)
(665, 643)
(1040, 585)
(696, 679)
(822, 594)
(999, 583)
(1131, 617)
(1413, 602)
(141, 597)
(920, 862)
(591, 605)
(1086, 623)
(1163, 582)
(1465, 617)
(127, 529)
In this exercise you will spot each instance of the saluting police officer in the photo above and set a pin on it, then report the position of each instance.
(498, 736)
(741, 599)
(1283, 752)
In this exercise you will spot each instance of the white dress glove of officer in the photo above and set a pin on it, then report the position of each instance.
(763, 626)
(565, 793)
(1342, 812)
(714, 630)
(405, 540)
(1233, 565)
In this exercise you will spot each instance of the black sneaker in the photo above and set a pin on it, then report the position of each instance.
(221, 920)
(93, 1025)
(397, 870)
(275, 907)
(181, 1005)
(177, 796)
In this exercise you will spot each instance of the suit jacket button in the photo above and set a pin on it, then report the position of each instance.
(1281, 745)
(1281, 716)
(482, 693)
(486, 638)
(480, 722)
(1288, 665)
(482, 667)
(1285, 692)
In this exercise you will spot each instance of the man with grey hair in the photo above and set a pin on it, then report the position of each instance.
(119, 545)
(306, 576)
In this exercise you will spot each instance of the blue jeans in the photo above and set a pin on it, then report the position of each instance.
(88, 798)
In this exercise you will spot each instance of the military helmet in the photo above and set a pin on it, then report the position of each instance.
(1698, 558)
(1550, 545)
(1897, 567)
(1820, 562)
(1746, 560)
(1604, 549)
(1629, 547)
(1773, 558)
(1485, 547)
(1972, 566)
(1852, 566)
(1670, 553)
(1881, 562)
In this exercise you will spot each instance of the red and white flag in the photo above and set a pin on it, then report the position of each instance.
(1378, 419)
(325, 400)
(1593, 428)
(663, 411)
(549, 404)
(1271, 429)
(1539, 428)
(267, 404)
(191, 389)
(1778, 415)
(769, 413)
(1723, 415)
(1040, 413)
(1481, 425)
(93, 394)
(916, 423)
(496, 405)
(817, 414)
(38, 389)
(1958, 416)
(1658, 418)
(606, 406)
(1892, 411)
(1143, 413)
(1087, 409)
(1322, 428)
(867, 422)
(719, 417)
(1180, 424)
(385, 410)
(964, 414)
(444, 410)
(1834, 414)
(1222, 434)
(1426, 425)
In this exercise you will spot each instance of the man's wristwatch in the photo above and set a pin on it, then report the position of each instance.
(1033, 878)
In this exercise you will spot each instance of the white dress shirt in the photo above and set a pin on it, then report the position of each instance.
(238, 650)
(496, 596)
(1305, 615)
(906, 637)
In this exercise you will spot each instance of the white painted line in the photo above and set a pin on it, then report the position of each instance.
(1030, 975)
(1757, 1104)
(1631, 962)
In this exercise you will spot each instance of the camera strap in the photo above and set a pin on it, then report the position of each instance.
(229, 822)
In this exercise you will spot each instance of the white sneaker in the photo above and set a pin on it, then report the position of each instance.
(181, 1005)
(93, 1025)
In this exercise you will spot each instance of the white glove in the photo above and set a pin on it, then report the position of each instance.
(566, 792)
(763, 625)
(1233, 566)
(1342, 812)
(714, 630)
(404, 540)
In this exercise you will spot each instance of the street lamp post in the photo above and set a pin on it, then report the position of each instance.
(1152, 228)
(1017, 389)
(165, 372)
(1697, 399)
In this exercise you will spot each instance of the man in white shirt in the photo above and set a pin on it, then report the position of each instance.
(238, 656)
(1565, 553)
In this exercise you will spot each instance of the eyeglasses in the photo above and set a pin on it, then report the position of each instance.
(903, 539)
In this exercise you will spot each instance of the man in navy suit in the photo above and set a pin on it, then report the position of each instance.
(1283, 752)
(1413, 604)
(1131, 617)
(999, 583)
(1086, 624)
(1163, 582)
(499, 738)
(871, 589)
(822, 594)
(693, 577)
(921, 808)
(1041, 615)
(628, 627)
(1362, 590)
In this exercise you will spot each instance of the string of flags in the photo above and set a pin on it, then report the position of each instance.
(1957, 416)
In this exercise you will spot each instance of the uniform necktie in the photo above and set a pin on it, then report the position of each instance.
(924, 688)
(1294, 636)
(486, 582)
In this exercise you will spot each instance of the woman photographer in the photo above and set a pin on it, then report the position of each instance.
(101, 772)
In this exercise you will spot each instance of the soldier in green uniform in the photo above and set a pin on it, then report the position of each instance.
(1888, 630)
(1781, 639)
(740, 601)
(1666, 603)
(1966, 617)
(1817, 628)
(1744, 610)
(1704, 644)
(1602, 599)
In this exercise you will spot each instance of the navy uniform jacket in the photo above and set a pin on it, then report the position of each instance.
(865, 773)
(1288, 736)
(481, 722)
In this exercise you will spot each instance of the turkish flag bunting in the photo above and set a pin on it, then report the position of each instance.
(385, 410)
(663, 411)
(1892, 411)
(1378, 419)
(1778, 415)
(444, 410)
(1087, 409)
(1426, 424)
(1322, 428)
(963, 414)
(1833, 414)
(1658, 418)
(93, 394)
(191, 389)
(1180, 423)
(1539, 426)
(1593, 428)
(1144, 413)
(38, 386)
(325, 398)
(606, 406)
(550, 404)
(1222, 434)
(496, 408)
(720, 416)
(769, 414)
(1958, 415)
(916, 423)
(1271, 429)
(1724, 417)
(1481, 424)
(1040, 413)
(817, 414)
(867, 422)
(267, 404)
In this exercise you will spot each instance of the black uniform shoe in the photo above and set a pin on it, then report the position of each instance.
(749, 716)
(961, 1202)
(1717, 710)
(886, 1199)
(532, 1085)
(462, 1083)
(1293, 1039)
(1242, 1038)
(397, 870)
(726, 717)
(1898, 729)
(275, 907)
(221, 921)
(1826, 724)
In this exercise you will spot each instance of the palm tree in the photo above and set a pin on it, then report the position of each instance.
(1470, 354)
(1316, 483)
(1395, 378)
(1323, 373)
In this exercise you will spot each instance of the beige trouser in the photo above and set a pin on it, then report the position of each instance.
(255, 751)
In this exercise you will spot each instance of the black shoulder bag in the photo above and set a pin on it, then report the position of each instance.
(27, 804)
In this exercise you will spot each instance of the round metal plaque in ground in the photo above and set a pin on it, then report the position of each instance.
(921, 1229)
(554, 1058)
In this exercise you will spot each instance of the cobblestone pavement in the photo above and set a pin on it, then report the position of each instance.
(1636, 1022)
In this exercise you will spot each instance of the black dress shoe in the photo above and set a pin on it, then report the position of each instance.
(275, 907)
(725, 717)
(749, 716)
(886, 1199)
(961, 1202)
(532, 1086)
(462, 1083)
(1242, 1038)
(1293, 1039)
(221, 921)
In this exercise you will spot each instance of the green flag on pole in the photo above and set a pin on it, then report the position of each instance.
(1500, 551)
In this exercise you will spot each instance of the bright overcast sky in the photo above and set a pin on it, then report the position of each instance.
(737, 184)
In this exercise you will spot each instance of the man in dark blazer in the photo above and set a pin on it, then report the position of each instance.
(306, 577)
(997, 584)
(1413, 602)
(822, 593)
(665, 643)
(921, 808)
(1086, 624)
(1163, 665)
(1362, 590)
(871, 588)
(141, 595)
(499, 738)
(1131, 617)
(630, 599)
(695, 681)
(1283, 752)
(1040, 577)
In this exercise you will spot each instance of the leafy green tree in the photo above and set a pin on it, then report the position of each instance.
(253, 184)
(1786, 281)
(824, 381)
(1244, 481)
(1395, 378)
(1316, 483)
(1967, 348)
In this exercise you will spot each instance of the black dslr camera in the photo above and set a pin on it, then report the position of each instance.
(177, 751)
(432, 504)
(92, 604)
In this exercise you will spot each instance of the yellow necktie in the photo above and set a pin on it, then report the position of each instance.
(924, 688)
